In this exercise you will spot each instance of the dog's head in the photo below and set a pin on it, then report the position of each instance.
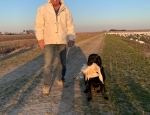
(94, 58)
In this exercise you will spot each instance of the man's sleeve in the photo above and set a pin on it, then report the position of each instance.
(70, 26)
(39, 25)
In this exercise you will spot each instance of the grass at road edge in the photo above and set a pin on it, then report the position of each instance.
(127, 82)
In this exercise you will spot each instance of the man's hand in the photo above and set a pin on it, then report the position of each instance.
(70, 43)
(41, 44)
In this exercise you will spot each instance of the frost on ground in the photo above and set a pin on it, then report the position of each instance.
(21, 87)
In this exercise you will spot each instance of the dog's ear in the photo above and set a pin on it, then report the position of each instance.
(99, 61)
(89, 63)
(90, 60)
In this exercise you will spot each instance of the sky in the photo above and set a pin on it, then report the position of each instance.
(88, 15)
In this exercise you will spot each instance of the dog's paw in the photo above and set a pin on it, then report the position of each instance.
(85, 91)
(89, 98)
(98, 91)
(106, 98)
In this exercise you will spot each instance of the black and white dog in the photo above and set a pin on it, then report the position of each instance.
(94, 76)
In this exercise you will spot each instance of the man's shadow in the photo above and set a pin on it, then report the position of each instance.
(73, 95)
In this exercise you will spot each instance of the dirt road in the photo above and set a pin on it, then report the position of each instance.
(22, 93)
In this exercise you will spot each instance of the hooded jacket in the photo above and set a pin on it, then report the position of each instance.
(52, 28)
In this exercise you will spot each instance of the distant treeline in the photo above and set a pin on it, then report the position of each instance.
(116, 30)
(23, 32)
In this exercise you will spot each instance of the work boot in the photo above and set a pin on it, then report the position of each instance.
(62, 84)
(65, 84)
(46, 90)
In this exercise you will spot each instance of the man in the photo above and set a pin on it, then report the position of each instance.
(54, 29)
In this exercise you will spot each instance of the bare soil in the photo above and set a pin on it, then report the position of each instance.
(21, 87)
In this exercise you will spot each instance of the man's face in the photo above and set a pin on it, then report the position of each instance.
(55, 2)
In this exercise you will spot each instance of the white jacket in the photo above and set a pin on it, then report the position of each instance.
(92, 71)
(52, 28)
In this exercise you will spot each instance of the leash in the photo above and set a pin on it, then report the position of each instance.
(77, 75)
(68, 49)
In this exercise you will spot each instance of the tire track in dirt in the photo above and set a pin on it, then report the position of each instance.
(61, 101)
(92, 45)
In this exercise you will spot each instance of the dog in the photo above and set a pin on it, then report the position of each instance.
(94, 76)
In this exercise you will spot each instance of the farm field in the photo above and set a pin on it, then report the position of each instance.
(10, 43)
(126, 67)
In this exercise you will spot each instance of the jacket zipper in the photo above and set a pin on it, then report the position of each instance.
(57, 24)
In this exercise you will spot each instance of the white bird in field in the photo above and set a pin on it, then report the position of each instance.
(141, 42)
(131, 38)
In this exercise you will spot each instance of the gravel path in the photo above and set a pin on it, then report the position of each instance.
(22, 93)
